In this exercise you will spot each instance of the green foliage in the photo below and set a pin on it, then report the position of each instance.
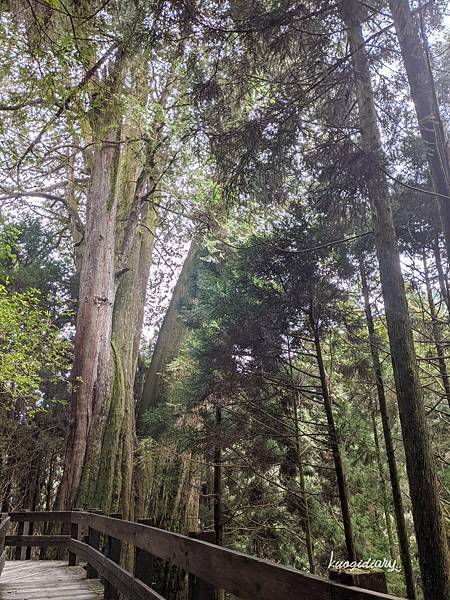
(32, 348)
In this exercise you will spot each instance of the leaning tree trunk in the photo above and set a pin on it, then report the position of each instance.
(402, 533)
(422, 88)
(169, 342)
(335, 447)
(427, 512)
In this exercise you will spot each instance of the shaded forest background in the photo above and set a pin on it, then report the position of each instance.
(224, 276)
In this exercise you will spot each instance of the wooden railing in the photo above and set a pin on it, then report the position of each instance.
(98, 540)
(4, 523)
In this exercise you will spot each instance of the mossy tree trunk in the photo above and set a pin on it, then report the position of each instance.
(104, 461)
(96, 291)
(108, 474)
(303, 492)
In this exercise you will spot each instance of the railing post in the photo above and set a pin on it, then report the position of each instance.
(198, 588)
(143, 561)
(22, 529)
(75, 534)
(374, 579)
(93, 539)
(112, 551)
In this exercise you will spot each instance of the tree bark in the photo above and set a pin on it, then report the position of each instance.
(421, 84)
(218, 528)
(427, 512)
(108, 473)
(94, 318)
(402, 533)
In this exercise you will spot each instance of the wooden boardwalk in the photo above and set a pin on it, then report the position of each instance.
(39, 580)
(98, 540)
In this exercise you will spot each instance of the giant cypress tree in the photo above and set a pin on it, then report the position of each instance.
(108, 350)
(114, 129)
(427, 512)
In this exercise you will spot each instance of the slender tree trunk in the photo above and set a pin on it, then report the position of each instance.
(335, 447)
(218, 528)
(402, 533)
(421, 85)
(34, 495)
(427, 512)
(307, 520)
(48, 499)
(387, 516)
(435, 327)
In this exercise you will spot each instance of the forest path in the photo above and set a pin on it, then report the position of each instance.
(47, 579)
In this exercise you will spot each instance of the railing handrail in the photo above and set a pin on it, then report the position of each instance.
(244, 576)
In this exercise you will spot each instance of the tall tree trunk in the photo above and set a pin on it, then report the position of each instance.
(387, 516)
(427, 512)
(94, 318)
(218, 527)
(435, 328)
(304, 495)
(335, 447)
(422, 89)
(108, 473)
(402, 533)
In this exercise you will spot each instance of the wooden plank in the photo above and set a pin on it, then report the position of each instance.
(118, 577)
(143, 566)
(22, 529)
(144, 561)
(94, 541)
(197, 588)
(242, 575)
(39, 580)
(113, 551)
(4, 526)
(37, 540)
(42, 516)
